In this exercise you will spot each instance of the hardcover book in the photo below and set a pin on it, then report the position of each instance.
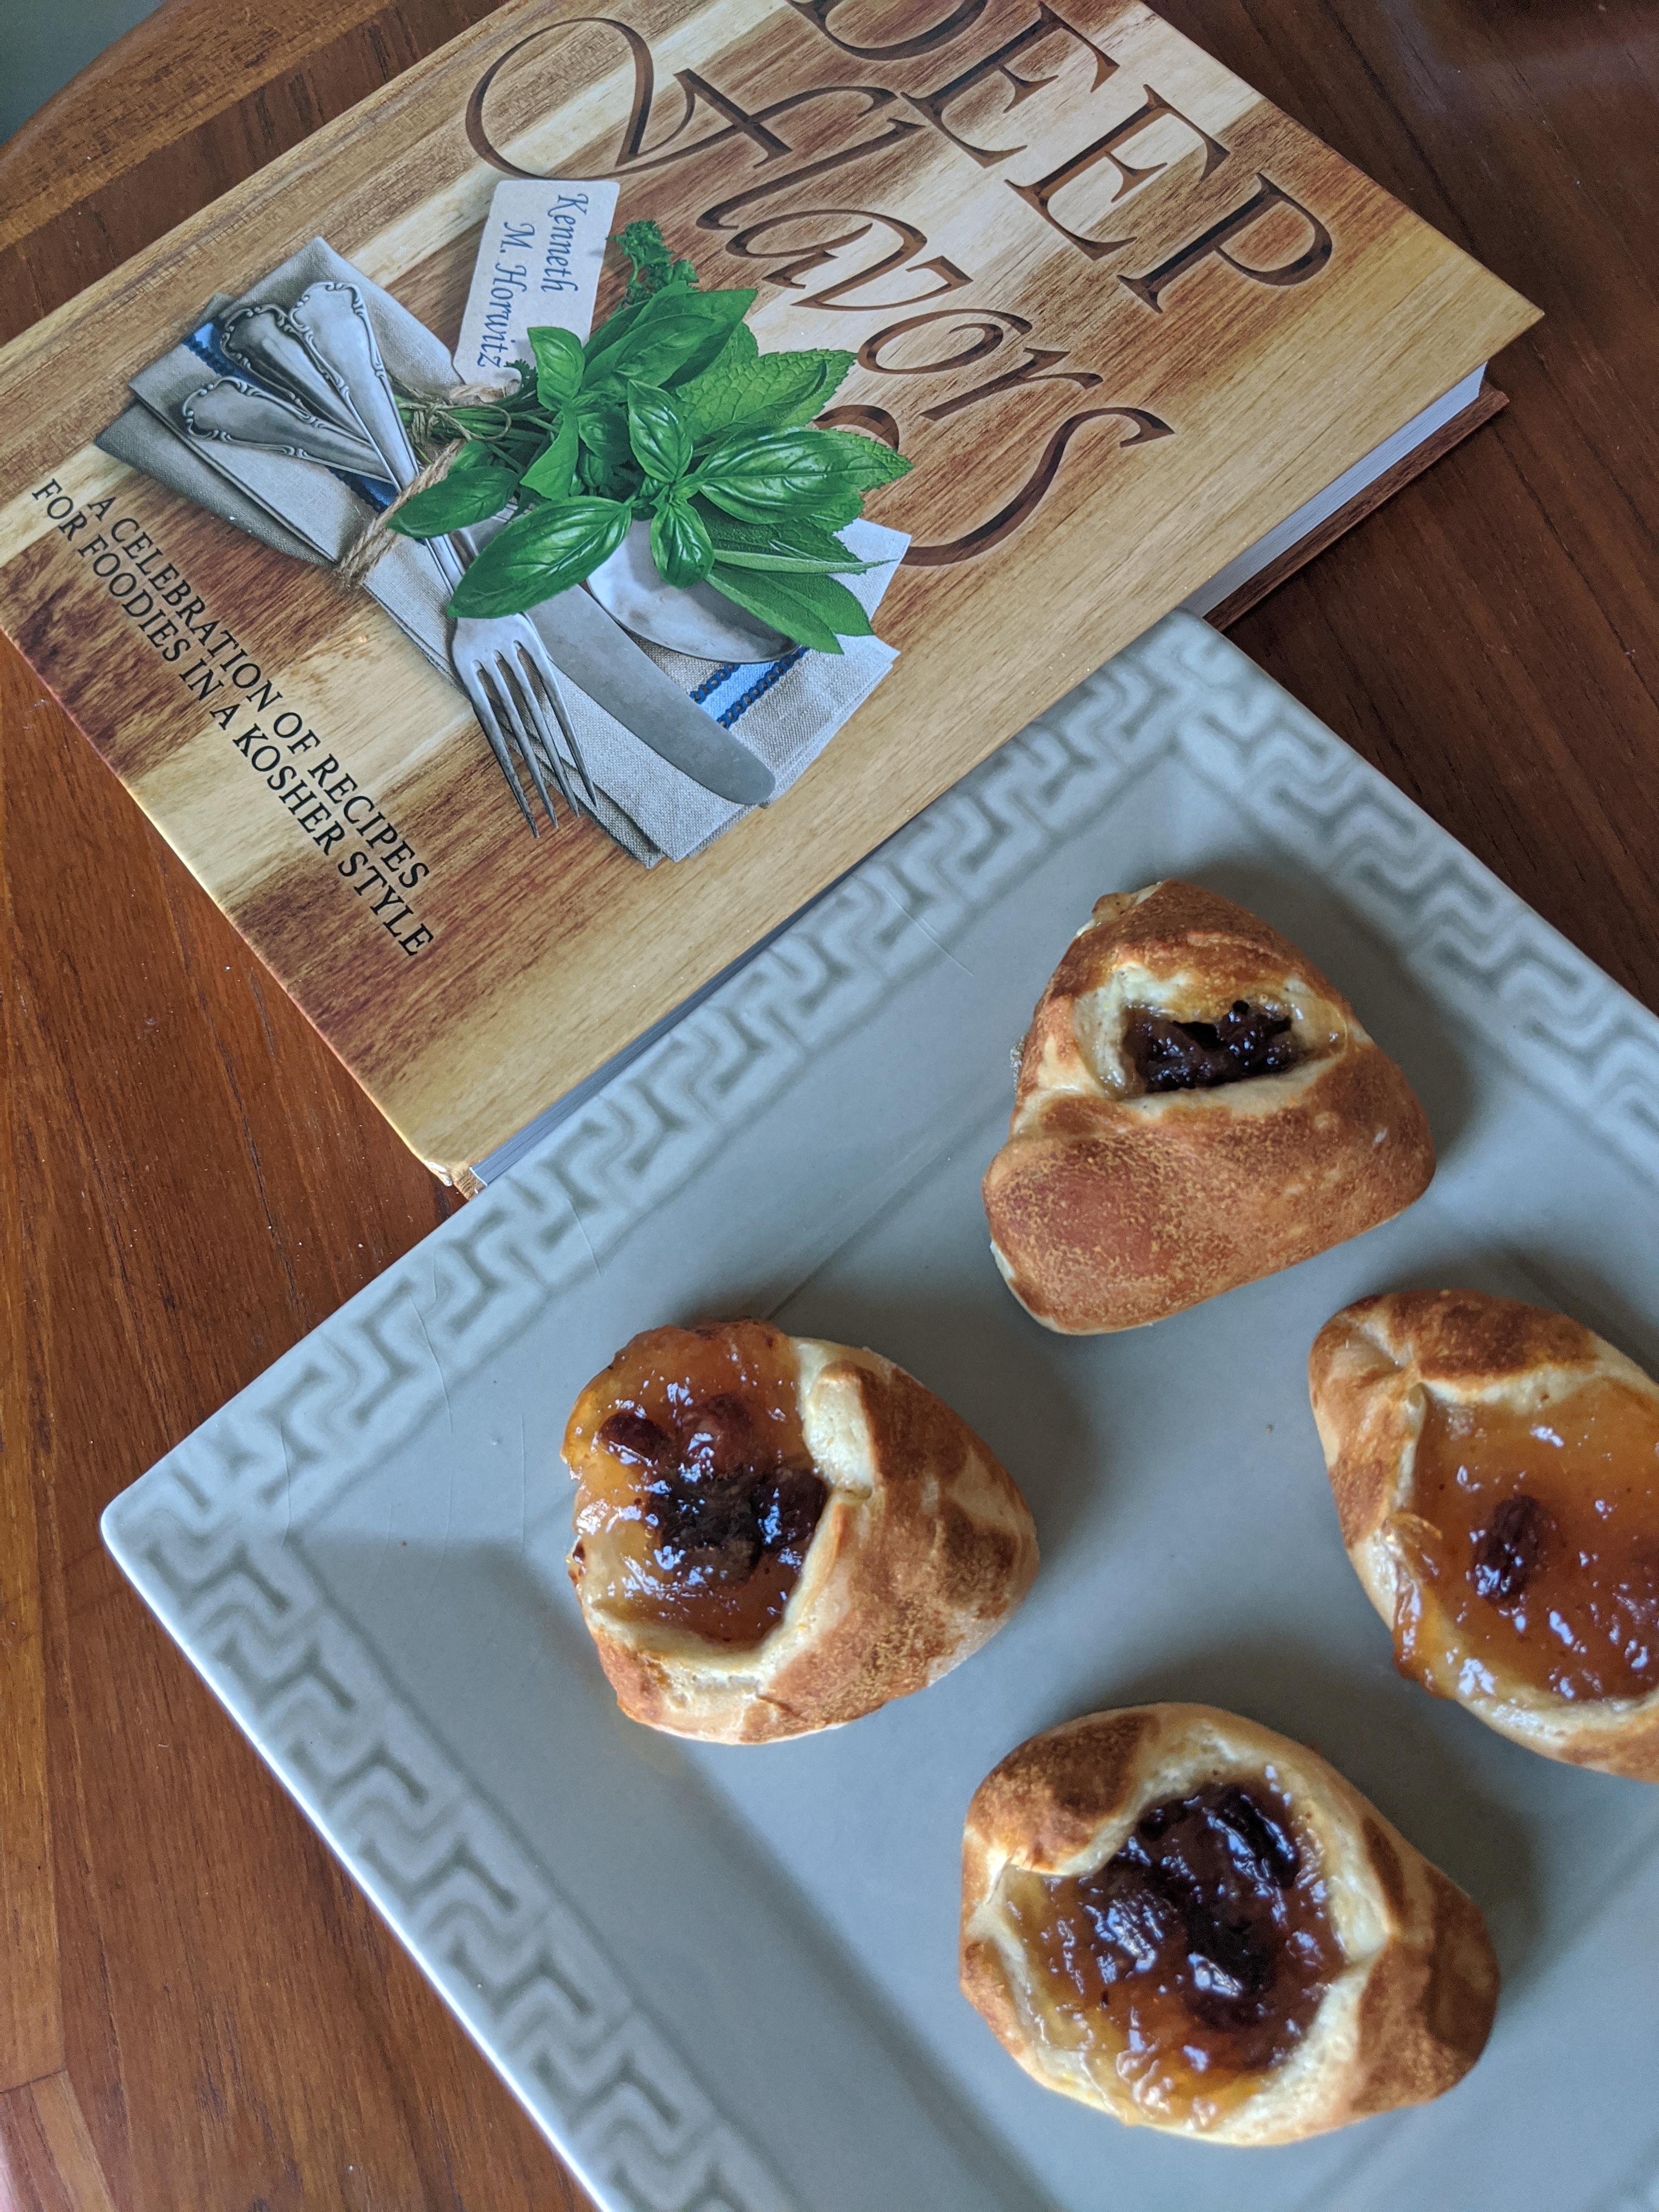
(523, 544)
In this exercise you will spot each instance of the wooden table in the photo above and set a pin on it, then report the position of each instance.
(198, 2010)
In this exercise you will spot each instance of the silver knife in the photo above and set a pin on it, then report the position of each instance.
(596, 653)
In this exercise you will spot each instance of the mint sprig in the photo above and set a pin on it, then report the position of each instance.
(670, 411)
(745, 391)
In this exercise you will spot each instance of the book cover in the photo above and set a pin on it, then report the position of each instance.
(1088, 318)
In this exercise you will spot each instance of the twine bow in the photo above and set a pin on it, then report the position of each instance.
(352, 569)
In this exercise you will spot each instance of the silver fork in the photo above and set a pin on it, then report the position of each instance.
(323, 353)
(501, 662)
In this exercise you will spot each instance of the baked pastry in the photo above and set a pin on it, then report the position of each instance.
(1496, 1469)
(775, 1534)
(1196, 1106)
(1195, 1925)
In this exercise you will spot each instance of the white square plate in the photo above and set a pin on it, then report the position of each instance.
(724, 1980)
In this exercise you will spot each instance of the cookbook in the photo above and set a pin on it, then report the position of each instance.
(522, 546)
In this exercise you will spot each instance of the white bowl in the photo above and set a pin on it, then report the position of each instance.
(700, 621)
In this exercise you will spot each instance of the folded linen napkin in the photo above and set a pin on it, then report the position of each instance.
(787, 710)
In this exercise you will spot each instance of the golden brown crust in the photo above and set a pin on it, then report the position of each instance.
(1406, 2018)
(924, 1548)
(1110, 1208)
(1370, 1369)
(1428, 2005)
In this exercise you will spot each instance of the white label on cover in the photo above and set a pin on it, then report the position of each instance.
(538, 264)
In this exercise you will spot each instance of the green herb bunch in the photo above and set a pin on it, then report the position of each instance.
(670, 411)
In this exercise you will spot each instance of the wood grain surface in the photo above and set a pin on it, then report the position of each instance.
(47, 2154)
(190, 1181)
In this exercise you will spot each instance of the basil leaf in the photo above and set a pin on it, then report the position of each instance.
(559, 365)
(679, 542)
(455, 502)
(791, 537)
(656, 434)
(729, 308)
(611, 332)
(814, 611)
(677, 334)
(767, 392)
(550, 473)
(832, 505)
(753, 479)
(476, 453)
(601, 417)
(819, 474)
(540, 554)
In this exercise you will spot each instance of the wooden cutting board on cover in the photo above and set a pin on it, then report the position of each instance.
(1122, 315)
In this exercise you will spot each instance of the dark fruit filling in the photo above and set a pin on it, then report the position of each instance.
(1194, 1904)
(1171, 1055)
(1202, 1949)
(699, 1500)
(715, 1514)
(1508, 1551)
